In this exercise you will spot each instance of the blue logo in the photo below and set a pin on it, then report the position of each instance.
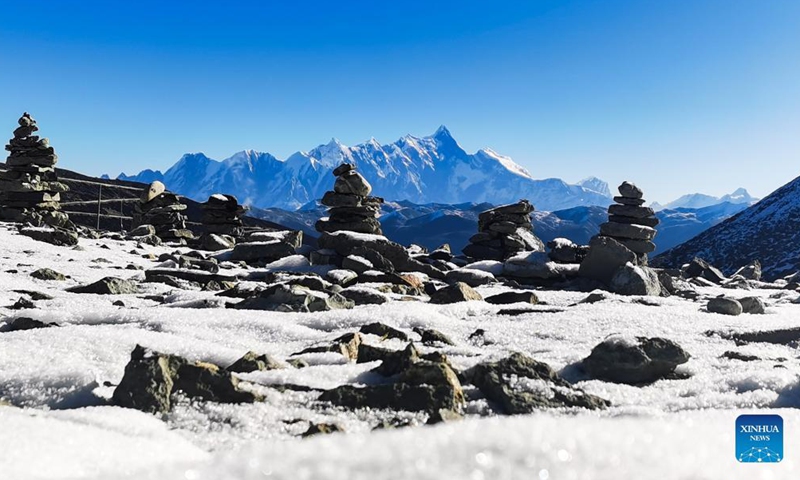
(759, 438)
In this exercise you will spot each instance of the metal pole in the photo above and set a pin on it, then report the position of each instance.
(99, 197)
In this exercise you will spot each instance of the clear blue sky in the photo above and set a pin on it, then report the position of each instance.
(676, 95)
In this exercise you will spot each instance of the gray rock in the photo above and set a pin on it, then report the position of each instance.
(356, 264)
(632, 280)
(148, 381)
(493, 379)
(54, 236)
(25, 323)
(631, 211)
(343, 168)
(643, 360)
(605, 256)
(473, 278)
(108, 286)
(536, 265)
(393, 362)
(348, 345)
(214, 242)
(646, 221)
(253, 362)
(383, 331)
(629, 201)
(142, 231)
(294, 298)
(430, 336)
(563, 250)
(321, 428)
(702, 269)
(48, 274)
(352, 183)
(751, 271)
(458, 292)
(752, 305)
(624, 230)
(630, 190)
(153, 190)
(507, 298)
(264, 251)
(342, 277)
(724, 305)
(364, 296)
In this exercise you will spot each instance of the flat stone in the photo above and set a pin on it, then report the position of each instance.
(631, 211)
(628, 231)
(630, 190)
(458, 292)
(629, 201)
(507, 298)
(725, 306)
(634, 361)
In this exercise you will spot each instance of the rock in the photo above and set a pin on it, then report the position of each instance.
(752, 305)
(473, 278)
(596, 296)
(534, 265)
(624, 230)
(725, 306)
(630, 190)
(352, 183)
(25, 323)
(263, 251)
(108, 286)
(384, 331)
(634, 361)
(507, 298)
(215, 242)
(142, 231)
(364, 296)
(48, 274)
(54, 236)
(605, 256)
(739, 356)
(425, 386)
(148, 381)
(633, 280)
(631, 211)
(520, 385)
(321, 428)
(702, 269)
(151, 378)
(458, 292)
(751, 271)
(343, 168)
(784, 336)
(294, 298)
(432, 337)
(502, 232)
(393, 362)
(356, 264)
(563, 250)
(253, 362)
(153, 190)
(341, 277)
(347, 345)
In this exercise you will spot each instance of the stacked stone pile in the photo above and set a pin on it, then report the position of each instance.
(630, 223)
(29, 189)
(503, 232)
(221, 215)
(162, 210)
(350, 206)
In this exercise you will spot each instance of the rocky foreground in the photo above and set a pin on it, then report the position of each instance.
(123, 359)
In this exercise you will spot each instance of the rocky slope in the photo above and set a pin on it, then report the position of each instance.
(768, 231)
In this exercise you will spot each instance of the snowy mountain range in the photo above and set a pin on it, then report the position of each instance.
(700, 200)
(768, 231)
(432, 169)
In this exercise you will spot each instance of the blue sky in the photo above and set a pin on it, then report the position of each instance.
(678, 96)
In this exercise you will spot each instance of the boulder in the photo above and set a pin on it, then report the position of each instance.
(108, 286)
(605, 256)
(752, 305)
(430, 336)
(632, 280)
(364, 296)
(699, 268)
(458, 292)
(630, 190)
(519, 384)
(634, 360)
(751, 271)
(25, 323)
(724, 305)
(294, 298)
(253, 362)
(347, 345)
(48, 274)
(384, 331)
(54, 236)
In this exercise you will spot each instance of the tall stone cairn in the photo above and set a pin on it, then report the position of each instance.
(29, 189)
(630, 223)
(162, 210)
(349, 205)
(221, 215)
(503, 232)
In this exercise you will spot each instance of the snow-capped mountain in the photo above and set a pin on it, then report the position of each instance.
(768, 231)
(700, 200)
(432, 169)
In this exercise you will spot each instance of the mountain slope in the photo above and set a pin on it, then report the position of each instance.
(433, 169)
(768, 231)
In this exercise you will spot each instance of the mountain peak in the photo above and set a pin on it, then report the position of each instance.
(442, 132)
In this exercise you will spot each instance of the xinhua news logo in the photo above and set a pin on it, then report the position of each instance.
(759, 438)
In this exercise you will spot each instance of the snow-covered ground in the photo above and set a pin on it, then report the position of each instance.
(61, 378)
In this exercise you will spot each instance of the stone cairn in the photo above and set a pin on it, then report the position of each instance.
(350, 206)
(29, 189)
(630, 223)
(221, 215)
(503, 232)
(162, 210)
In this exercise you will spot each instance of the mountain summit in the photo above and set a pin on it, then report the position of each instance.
(432, 169)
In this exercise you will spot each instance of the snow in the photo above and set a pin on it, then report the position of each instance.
(62, 378)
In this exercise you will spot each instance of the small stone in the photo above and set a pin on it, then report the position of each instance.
(384, 331)
(507, 298)
(321, 428)
(432, 337)
(630, 190)
(108, 286)
(253, 362)
(459, 292)
(48, 274)
(634, 361)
